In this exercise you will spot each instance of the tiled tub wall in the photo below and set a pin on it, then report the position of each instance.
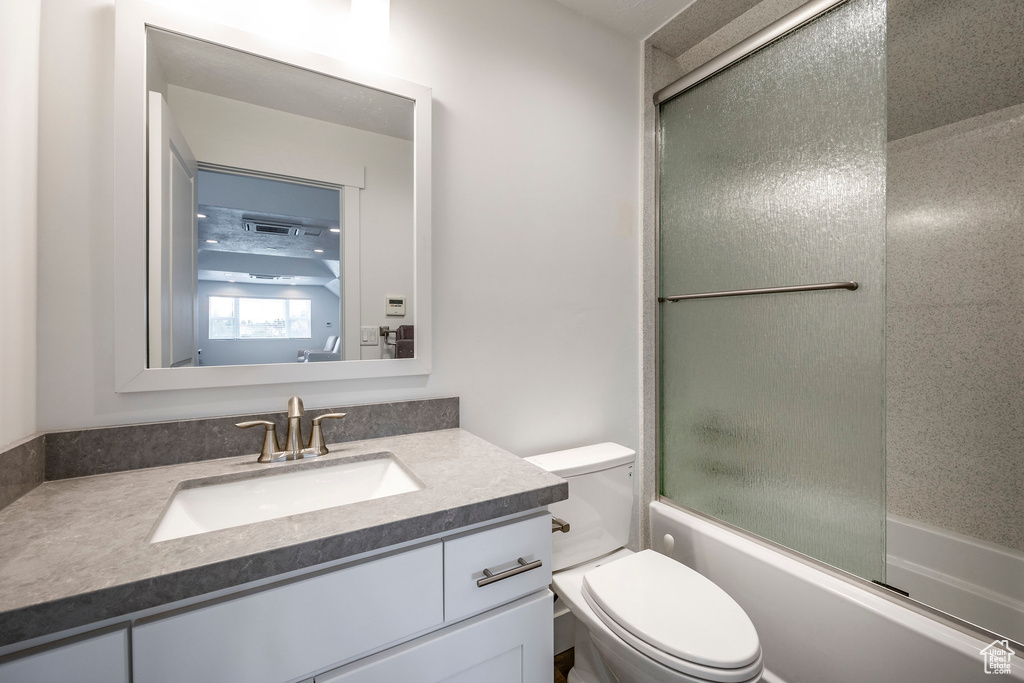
(954, 321)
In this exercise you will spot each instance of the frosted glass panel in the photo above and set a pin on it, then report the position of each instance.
(773, 174)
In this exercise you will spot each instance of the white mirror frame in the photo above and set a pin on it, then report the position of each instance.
(131, 371)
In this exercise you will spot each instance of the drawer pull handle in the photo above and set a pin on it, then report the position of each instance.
(559, 525)
(490, 577)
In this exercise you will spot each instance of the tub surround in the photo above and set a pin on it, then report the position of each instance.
(953, 328)
(77, 551)
(21, 469)
(975, 580)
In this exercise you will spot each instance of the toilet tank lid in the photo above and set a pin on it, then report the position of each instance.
(583, 460)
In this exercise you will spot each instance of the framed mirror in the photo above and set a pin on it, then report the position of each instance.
(273, 216)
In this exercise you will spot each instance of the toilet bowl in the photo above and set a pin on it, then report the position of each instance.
(640, 617)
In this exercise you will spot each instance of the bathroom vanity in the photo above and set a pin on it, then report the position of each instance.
(448, 582)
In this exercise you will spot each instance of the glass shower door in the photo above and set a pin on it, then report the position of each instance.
(772, 173)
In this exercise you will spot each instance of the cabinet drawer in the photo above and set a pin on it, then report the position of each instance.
(508, 645)
(288, 631)
(496, 550)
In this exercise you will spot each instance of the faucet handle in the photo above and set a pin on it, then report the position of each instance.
(270, 445)
(316, 439)
(328, 416)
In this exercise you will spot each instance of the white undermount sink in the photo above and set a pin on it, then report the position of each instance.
(206, 505)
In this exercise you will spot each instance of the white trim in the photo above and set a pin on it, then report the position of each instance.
(130, 331)
(220, 152)
(350, 269)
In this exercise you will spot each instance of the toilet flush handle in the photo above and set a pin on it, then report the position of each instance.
(559, 525)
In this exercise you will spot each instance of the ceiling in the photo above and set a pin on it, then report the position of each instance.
(636, 18)
(302, 246)
(217, 70)
(700, 20)
(223, 229)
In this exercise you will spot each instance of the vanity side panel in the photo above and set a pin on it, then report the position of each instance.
(292, 630)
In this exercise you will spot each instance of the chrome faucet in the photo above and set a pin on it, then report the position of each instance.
(295, 447)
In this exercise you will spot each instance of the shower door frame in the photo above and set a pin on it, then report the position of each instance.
(782, 27)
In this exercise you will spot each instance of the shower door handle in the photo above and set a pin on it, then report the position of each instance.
(851, 286)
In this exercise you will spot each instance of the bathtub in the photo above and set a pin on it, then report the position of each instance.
(980, 582)
(816, 627)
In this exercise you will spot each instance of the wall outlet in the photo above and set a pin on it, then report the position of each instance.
(369, 335)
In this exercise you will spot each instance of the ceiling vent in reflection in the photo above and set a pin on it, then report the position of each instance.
(256, 276)
(269, 228)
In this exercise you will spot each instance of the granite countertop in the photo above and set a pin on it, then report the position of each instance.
(77, 551)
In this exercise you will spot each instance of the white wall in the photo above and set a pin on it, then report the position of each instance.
(212, 124)
(535, 190)
(326, 308)
(19, 85)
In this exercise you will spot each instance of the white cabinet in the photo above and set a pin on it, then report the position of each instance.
(510, 639)
(497, 550)
(511, 644)
(289, 631)
(96, 659)
(460, 607)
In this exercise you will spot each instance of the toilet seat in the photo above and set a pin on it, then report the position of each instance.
(716, 640)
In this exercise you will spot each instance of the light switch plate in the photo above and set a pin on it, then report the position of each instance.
(369, 335)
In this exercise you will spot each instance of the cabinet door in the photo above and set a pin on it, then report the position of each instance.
(99, 659)
(511, 644)
(291, 630)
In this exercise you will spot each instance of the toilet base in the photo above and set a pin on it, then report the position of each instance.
(587, 664)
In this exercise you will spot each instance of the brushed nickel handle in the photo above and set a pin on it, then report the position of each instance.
(559, 525)
(316, 439)
(328, 416)
(490, 577)
(270, 446)
(764, 290)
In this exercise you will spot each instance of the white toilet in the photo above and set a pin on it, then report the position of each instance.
(640, 617)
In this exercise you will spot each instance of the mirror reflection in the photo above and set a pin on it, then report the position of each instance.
(269, 261)
(280, 212)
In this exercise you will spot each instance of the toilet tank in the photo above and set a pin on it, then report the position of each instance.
(600, 501)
